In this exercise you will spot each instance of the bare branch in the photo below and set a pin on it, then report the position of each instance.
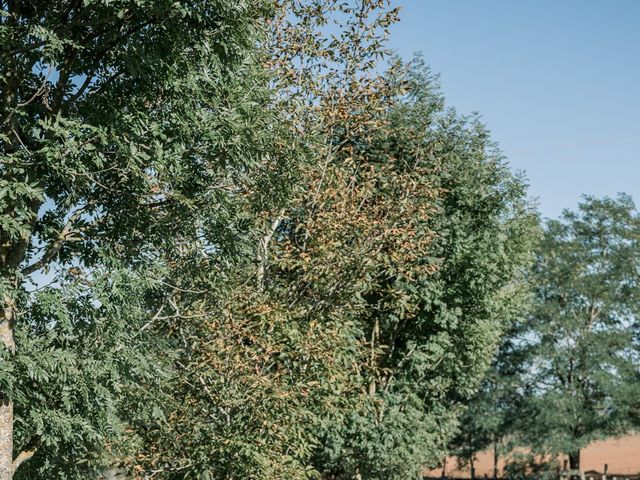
(184, 290)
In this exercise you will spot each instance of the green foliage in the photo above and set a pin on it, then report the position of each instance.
(578, 353)
(526, 466)
(492, 416)
(129, 118)
(436, 341)
(128, 129)
(79, 349)
(233, 254)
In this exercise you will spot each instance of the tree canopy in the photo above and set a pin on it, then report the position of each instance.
(566, 372)
(581, 355)
(240, 240)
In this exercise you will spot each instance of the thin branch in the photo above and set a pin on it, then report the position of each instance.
(184, 290)
(26, 48)
(39, 91)
(57, 244)
(87, 81)
(263, 253)
(107, 82)
(147, 325)
(63, 79)
(24, 147)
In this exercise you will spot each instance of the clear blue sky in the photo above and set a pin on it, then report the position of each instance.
(557, 82)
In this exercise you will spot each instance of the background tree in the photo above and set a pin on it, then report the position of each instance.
(581, 354)
(492, 418)
(481, 428)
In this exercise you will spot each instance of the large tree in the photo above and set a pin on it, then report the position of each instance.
(110, 143)
(431, 333)
(580, 353)
(284, 311)
(346, 337)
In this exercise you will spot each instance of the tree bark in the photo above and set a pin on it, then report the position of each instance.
(10, 259)
(472, 454)
(263, 250)
(6, 438)
(495, 460)
(7, 318)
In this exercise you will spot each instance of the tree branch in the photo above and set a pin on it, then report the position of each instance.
(83, 88)
(23, 457)
(263, 253)
(39, 91)
(54, 247)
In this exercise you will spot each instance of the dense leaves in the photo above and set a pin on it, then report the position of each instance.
(120, 120)
(566, 372)
(431, 325)
(79, 348)
(583, 359)
(239, 240)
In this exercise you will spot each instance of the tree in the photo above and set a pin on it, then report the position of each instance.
(290, 349)
(481, 428)
(492, 417)
(580, 352)
(437, 340)
(108, 146)
(319, 342)
(438, 296)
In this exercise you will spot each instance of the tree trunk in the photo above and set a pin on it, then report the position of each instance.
(6, 439)
(7, 315)
(471, 455)
(495, 460)
(574, 460)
